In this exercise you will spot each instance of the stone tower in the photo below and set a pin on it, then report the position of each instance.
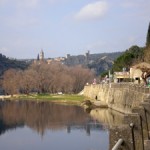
(87, 55)
(41, 55)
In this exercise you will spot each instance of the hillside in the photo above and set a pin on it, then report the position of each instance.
(100, 62)
(101, 65)
(6, 63)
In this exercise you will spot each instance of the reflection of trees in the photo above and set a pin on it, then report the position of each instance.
(4, 127)
(90, 125)
(41, 115)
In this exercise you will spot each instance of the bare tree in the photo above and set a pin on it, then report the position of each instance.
(28, 81)
(43, 78)
(81, 77)
(11, 82)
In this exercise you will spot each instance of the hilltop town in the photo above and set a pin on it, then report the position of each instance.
(97, 62)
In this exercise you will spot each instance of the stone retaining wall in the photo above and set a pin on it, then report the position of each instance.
(122, 97)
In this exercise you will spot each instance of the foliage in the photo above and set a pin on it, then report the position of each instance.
(104, 74)
(148, 37)
(147, 54)
(128, 58)
(147, 47)
(10, 81)
(46, 78)
(6, 63)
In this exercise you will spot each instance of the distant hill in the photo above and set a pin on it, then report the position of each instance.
(101, 65)
(98, 62)
(7, 63)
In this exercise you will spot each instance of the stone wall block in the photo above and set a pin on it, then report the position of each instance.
(141, 111)
(138, 139)
(119, 97)
(146, 90)
(146, 106)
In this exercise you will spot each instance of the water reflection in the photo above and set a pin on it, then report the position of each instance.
(41, 116)
(60, 126)
(108, 117)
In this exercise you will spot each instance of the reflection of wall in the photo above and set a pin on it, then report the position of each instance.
(107, 116)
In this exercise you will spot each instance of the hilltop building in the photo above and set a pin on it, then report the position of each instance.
(97, 62)
(41, 57)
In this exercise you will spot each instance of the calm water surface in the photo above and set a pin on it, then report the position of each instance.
(31, 125)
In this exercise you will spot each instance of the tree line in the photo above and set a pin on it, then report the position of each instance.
(7, 63)
(130, 57)
(46, 78)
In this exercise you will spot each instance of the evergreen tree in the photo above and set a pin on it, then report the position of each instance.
(148, 37)
(38, 57)
(131, 56)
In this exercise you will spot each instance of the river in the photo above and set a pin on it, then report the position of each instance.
(29, 125)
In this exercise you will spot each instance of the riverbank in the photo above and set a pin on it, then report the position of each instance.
(58, 98)
(122, 97)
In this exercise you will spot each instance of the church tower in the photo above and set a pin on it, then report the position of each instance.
(41, 55)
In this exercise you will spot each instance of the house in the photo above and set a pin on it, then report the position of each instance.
(136, 71)
(135, 75)
(121, 76)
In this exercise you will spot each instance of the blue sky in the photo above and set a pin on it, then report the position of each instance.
(61, 27)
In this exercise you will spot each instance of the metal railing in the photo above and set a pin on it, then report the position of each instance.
(118, 144)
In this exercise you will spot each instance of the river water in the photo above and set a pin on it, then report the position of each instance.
(29, 125)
